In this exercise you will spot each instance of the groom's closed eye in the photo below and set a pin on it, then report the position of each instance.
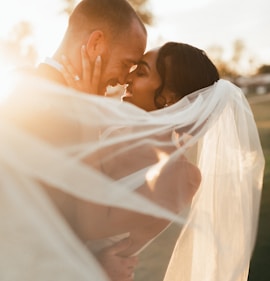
(129, 64)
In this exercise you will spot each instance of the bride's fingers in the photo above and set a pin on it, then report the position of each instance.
(86, 67)
(69, 68)
(69, 73)
(68, 77)
(96, 74)
(89, 81)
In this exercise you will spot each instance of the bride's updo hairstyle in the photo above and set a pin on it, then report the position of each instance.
(183, 69)
(114, 16)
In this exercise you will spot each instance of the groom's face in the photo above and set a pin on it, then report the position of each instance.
(120, 56)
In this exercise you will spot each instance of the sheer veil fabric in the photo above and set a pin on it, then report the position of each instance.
(100, 150)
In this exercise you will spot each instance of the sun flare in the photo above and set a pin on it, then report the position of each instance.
(6, 85)
(153, 172)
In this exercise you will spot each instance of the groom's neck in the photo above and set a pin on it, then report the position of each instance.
(72, 53)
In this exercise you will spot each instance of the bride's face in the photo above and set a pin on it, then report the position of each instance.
(143, 82)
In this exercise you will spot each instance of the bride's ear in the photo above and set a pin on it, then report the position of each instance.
(96, 44)
(170, 97)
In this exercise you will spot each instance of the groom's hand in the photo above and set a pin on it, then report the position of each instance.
(117, 267)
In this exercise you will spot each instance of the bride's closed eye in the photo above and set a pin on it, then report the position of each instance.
(140, 71)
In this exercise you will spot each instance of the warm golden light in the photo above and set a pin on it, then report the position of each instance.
(5, 85)
(172, 22)
(153, 172)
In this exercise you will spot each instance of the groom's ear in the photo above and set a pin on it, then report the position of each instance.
(96, 44)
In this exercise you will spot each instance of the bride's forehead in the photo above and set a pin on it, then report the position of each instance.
(151, 54)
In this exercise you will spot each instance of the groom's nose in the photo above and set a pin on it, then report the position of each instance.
(123, 78)
(130, 76)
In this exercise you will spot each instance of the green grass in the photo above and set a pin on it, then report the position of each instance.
(260, 263)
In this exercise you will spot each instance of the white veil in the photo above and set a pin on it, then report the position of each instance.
(101, 150)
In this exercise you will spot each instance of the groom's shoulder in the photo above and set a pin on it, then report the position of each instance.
(43, 70)
(46, 71)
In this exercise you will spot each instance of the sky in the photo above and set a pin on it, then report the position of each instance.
(202, 23)
(205, 23)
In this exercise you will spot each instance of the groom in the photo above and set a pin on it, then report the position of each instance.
(112, 30)
(109, 29)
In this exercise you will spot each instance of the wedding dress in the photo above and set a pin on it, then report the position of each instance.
(100, 150)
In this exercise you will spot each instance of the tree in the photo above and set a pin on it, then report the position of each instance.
(216, 53)
(238, 52)
(69, 6)
(140, 7)
(239, 63)
(19, 48)
(265, 68)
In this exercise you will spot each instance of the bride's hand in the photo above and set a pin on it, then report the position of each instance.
(117, 267)
(89, 80)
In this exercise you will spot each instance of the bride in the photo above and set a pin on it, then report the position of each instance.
(125, 161)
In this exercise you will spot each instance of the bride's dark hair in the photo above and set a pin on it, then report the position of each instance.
(183, 69)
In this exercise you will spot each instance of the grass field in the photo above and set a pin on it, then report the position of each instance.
(155, 258)
(260, 264)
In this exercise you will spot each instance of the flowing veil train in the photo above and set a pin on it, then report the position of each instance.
(100, 150)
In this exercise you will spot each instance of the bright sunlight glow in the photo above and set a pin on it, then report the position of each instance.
(202, 23)
(154, 171)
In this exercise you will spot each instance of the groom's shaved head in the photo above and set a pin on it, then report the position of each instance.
(115, 16)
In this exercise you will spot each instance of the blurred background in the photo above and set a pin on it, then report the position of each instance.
(234, 34)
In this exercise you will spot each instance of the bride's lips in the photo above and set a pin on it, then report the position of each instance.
(127, 95)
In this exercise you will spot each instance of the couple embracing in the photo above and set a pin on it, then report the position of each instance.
(182, 147)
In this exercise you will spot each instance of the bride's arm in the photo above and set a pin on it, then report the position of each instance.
(173, 189)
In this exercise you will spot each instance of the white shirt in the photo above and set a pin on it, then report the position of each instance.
(53, 63)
